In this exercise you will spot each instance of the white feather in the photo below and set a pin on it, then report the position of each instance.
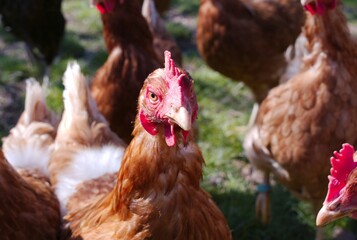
(87, 164)
(29, 157)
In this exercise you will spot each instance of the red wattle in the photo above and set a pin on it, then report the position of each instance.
(170, 137)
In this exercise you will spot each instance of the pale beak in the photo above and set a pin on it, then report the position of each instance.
(181, 117)
(326, 216)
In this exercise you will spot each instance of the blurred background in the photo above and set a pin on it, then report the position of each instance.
(224, 110)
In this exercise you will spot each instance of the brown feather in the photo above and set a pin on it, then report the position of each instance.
(246, 40)
(157, 194)
(303, 121)
(28, 205)
(117, 83)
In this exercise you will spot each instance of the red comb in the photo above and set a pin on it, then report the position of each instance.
(172, 72)
(342, 164)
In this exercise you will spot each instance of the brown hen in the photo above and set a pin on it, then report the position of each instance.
(29, 208)
(158, 193)
(132, 57)
(302, 121)
(246, 40)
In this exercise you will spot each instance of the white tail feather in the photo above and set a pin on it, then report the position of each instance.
(35, 102)
(78, 101)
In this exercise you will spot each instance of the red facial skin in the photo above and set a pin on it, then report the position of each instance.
(167, 97)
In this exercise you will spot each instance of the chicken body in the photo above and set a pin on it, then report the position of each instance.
(85, 147)
(246, 40)
(158, 193)
(302, 121)
(29, 207)
(132, 57)
(39, 23)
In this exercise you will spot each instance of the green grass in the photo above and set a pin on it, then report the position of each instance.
(224, 109)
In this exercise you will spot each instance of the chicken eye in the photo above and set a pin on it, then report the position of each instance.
(153, 97)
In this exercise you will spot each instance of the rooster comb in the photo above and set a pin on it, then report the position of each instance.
(173, 73)
(342, 164)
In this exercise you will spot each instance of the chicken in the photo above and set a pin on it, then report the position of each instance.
(39, 23)
(162, 39)
(29, 207)
(117, 83)
(303, 120)
(157, 193)
(85, 147)
(341, 196)
(246, 40)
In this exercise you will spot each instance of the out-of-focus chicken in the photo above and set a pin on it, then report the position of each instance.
(85, 147)
(302, 121)
(162, 39)
(132, 57)
(29, 207)
(157, 194)
(39, 23)
(341, 198)
(246, 40)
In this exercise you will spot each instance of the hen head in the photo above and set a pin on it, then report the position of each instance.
(318, 6)
(341, 199)
(167, 102)
(106, 6)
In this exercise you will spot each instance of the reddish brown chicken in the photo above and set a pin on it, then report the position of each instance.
(28, 206)
(158, 193)
(302, 121)
(341, 198)
(246, 40)
(132, 57)
(162, 39)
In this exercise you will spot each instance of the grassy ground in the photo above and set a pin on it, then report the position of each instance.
(224, 112)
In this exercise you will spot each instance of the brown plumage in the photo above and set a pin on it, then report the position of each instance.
(83, 139)
(29, 208)
(162, 38)
(246, 40)
(28, 205)
(158, 193)
(303, 121)
(117, 83)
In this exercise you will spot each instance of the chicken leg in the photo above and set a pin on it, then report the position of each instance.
(262, 204)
